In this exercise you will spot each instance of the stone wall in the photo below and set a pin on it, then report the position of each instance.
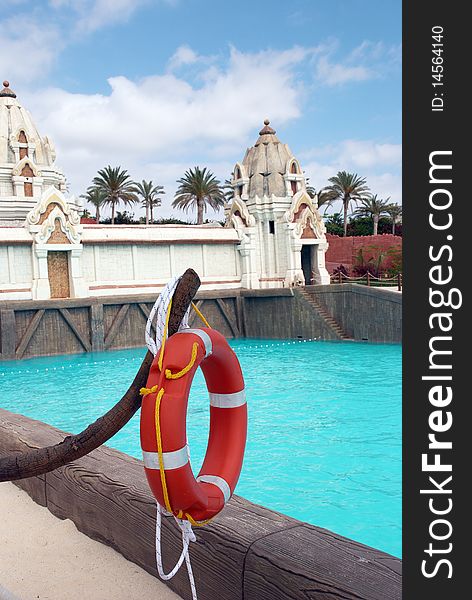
(282, 315)
(343, 250)
(365, 313)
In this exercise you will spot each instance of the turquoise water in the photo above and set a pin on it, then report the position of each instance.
(324, 439)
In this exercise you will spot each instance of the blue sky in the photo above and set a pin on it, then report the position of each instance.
(159, 86)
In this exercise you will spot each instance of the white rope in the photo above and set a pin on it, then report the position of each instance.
(160, 307)
(187, 537)
(159, 311)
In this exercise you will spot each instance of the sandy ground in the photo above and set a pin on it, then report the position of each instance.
(44, 557)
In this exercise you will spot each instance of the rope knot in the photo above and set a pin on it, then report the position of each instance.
(144, 391)
(187, 530)
(186, 369)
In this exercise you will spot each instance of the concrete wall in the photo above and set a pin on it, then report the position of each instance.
(365, 313)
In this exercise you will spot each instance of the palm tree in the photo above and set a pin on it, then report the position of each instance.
(117, 186)
(310, 190)
(96, 197)
(156, 202)
(150, 195)
(334, 224)
(199, 187)
(326, 196)
(374, 207)
(228, 189)
(394, 211)
(348, 187)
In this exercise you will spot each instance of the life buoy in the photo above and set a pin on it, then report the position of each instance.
(163, 425)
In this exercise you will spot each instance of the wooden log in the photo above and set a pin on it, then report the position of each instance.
(15, 437)
(310, 562)
(247, 552)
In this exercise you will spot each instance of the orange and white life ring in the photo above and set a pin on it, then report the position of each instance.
(163, 425)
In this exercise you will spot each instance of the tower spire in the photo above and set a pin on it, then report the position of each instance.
(7, 92)
(266, 130)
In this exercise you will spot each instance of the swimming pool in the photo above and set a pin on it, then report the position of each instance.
(324, 436)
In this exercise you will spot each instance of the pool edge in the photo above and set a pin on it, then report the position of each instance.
(248, 552)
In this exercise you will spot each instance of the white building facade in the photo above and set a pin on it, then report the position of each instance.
(274, 235)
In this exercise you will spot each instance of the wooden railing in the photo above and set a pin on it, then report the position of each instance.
(370, 280)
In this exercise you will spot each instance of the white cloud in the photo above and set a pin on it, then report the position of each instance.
(365, 154)
(184, 55)
(369, 60)
(103, 13)
(164, 120)
(95, 14)
(30, 44)
(387, 185)
(27, 48)
(378, 162)
(335, 74)
(358, 153)
(162, 112)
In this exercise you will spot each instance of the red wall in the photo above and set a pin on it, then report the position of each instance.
(342, 250)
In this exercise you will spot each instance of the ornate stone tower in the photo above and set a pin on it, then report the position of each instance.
(282, 235)
(33, 203)
(27, 167)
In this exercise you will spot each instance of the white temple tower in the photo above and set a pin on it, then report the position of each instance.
(283, 237)
(27, 167)
(34, 208)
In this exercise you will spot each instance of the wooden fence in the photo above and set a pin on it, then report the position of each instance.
(248, 552)
(370, 280)
(32, 328)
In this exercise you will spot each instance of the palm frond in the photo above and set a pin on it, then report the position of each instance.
(199, 188)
